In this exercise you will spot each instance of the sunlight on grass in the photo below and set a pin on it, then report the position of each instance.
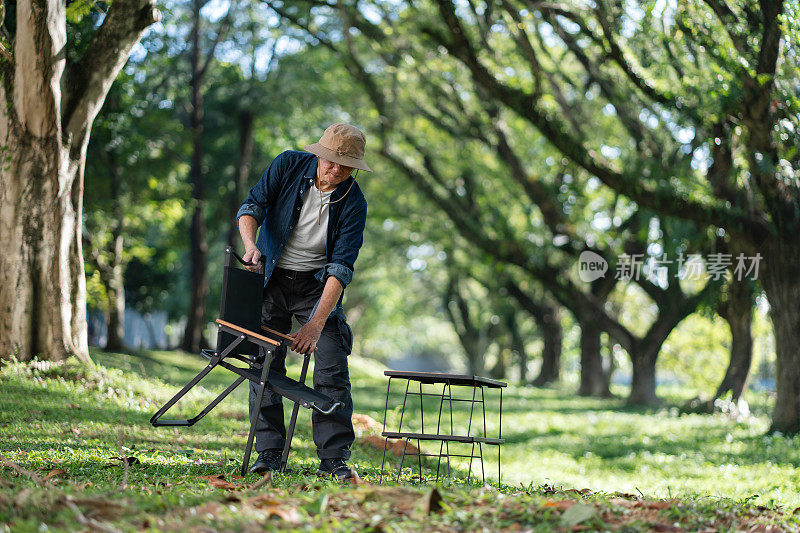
(83, 419)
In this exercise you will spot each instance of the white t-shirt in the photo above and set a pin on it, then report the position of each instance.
(306, 247)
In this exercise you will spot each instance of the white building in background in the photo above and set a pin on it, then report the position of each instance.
(148, 331)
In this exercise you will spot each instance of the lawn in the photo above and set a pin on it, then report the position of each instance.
(78, 453)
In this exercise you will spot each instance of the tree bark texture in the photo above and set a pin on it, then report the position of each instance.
(593, 379)
(112, 274)
(517, 343)
(643, 381)
(550, 325)
(738, 312)
(781, 281)
(548, 319)
(115, 288)
(44, 128)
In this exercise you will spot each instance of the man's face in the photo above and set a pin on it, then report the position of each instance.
(331, 174)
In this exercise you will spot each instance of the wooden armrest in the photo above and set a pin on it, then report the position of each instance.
(248, 332)
(277, 333)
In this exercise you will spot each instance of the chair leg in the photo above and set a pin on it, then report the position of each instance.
(154, 420)
(254, 418)
(217, 359)
(290, 434)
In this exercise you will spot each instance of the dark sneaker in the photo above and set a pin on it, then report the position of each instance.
(336, 467)
(268, 460)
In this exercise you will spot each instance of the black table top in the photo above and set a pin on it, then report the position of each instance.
(440, 377)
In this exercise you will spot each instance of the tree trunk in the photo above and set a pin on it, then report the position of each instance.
(500, 368)
(643, 384)
(550, 326)
(593, 379)
(42, 285)
(114, 277)
(242, 172)
(611, 367)
(115, 288)
(474, 339)
(517, 345)
(198, 247)
(781, 282)
(475, 350)
(673, 307)
(738, 312)
(45, 120)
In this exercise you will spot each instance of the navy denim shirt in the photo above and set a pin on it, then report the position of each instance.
(276, 200)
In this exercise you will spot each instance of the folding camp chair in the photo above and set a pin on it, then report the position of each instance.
(237, 340)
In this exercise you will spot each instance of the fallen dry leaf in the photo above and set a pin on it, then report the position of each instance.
(53, 473)
(577, 491)
(266, 479)
(561, 505)
(395, 446)
(219, 482)
(274, 508)
(130, 461)
(355, 479)
(366, 424)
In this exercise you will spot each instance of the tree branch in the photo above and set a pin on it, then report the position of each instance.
(662, 200)
(87, 82)
(729, 21)
(223, 29)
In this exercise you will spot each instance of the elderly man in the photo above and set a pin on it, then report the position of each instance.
(312, 215)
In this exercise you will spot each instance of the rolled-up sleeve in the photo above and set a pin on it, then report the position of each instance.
(254, 210)
(347, 245)
(263, 194)
(340, 272)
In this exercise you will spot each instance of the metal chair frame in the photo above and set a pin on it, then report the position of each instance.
(296, 391)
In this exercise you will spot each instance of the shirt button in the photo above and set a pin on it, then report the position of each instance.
(273, 260)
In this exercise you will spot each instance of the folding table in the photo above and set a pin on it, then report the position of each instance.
(441, 433)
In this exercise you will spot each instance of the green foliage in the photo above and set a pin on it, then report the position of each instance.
(133, 190)
(78, 9)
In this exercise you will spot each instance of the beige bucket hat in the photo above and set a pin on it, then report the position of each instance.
(343, 144)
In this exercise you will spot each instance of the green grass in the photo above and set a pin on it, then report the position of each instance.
(628, 469)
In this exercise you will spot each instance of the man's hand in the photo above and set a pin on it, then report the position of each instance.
(247, 229)
(252, 255)
(306, 338)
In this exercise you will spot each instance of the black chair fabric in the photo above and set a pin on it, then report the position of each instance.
(242, 292)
